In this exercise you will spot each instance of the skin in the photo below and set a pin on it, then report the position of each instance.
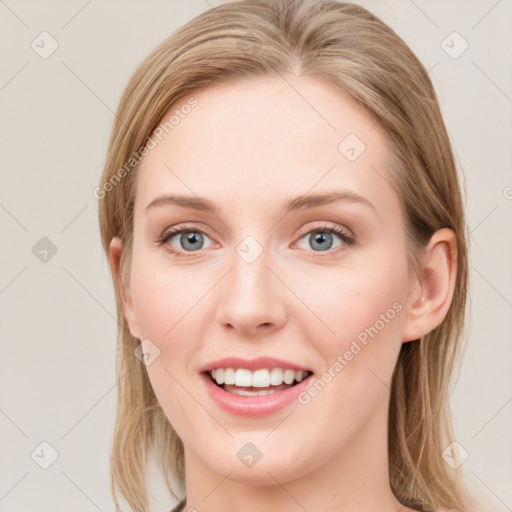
(249, 146)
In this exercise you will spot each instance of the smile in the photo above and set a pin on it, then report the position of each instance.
(246, 393)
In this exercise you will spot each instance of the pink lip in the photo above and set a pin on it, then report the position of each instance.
(253, 364)
(253, 405)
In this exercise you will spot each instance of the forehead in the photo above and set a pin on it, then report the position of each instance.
(266, 137)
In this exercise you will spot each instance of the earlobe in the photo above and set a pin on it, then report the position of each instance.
(114, 257)
(432, 292)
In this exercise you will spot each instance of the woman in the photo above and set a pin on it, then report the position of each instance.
(283, 219)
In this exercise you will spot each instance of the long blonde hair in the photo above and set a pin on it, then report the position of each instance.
(371, 64)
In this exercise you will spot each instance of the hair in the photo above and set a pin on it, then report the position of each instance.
(370, 64)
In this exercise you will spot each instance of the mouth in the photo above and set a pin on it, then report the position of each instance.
(238, 391)
(243, 382)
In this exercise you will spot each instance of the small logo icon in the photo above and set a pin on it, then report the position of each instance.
(249, 454)
(44, 250)
(454, 455)
(44, 45)
(147, 352)
(249, 249)
(351, 147)
(454, 45)
(44, 455)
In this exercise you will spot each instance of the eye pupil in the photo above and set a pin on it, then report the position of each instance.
(320, 238)
(191, 238)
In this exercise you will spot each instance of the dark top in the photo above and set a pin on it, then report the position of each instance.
(180, 506)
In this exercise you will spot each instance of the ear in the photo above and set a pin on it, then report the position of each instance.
(432, 292)
(114, 258)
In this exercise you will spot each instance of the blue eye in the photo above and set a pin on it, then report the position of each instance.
(191, 239)
(318, 239)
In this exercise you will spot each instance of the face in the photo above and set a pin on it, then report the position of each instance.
(255, 279)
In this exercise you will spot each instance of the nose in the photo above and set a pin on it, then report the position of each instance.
(252, 297)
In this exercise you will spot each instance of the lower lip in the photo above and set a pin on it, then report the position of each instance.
(258, 405)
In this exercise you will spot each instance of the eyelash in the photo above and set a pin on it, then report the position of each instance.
(168, 235)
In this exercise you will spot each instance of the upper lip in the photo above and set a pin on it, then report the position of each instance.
(252, 364)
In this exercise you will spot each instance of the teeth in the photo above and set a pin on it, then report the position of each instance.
(259, 378)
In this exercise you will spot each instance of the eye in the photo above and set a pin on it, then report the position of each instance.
(320, 242)
(190, 239)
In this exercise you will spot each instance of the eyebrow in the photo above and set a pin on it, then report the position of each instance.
(302, 202)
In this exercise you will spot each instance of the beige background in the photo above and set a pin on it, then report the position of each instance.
(57, 380)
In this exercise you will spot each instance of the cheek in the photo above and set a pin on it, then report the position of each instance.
(365, 311)
(166, 302)
(362, 314)
(160, 305)
(163, 297)
(347, 302)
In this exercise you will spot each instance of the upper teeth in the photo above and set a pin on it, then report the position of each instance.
(259, 378)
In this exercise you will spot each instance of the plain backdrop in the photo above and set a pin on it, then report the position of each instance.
(58, 329)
